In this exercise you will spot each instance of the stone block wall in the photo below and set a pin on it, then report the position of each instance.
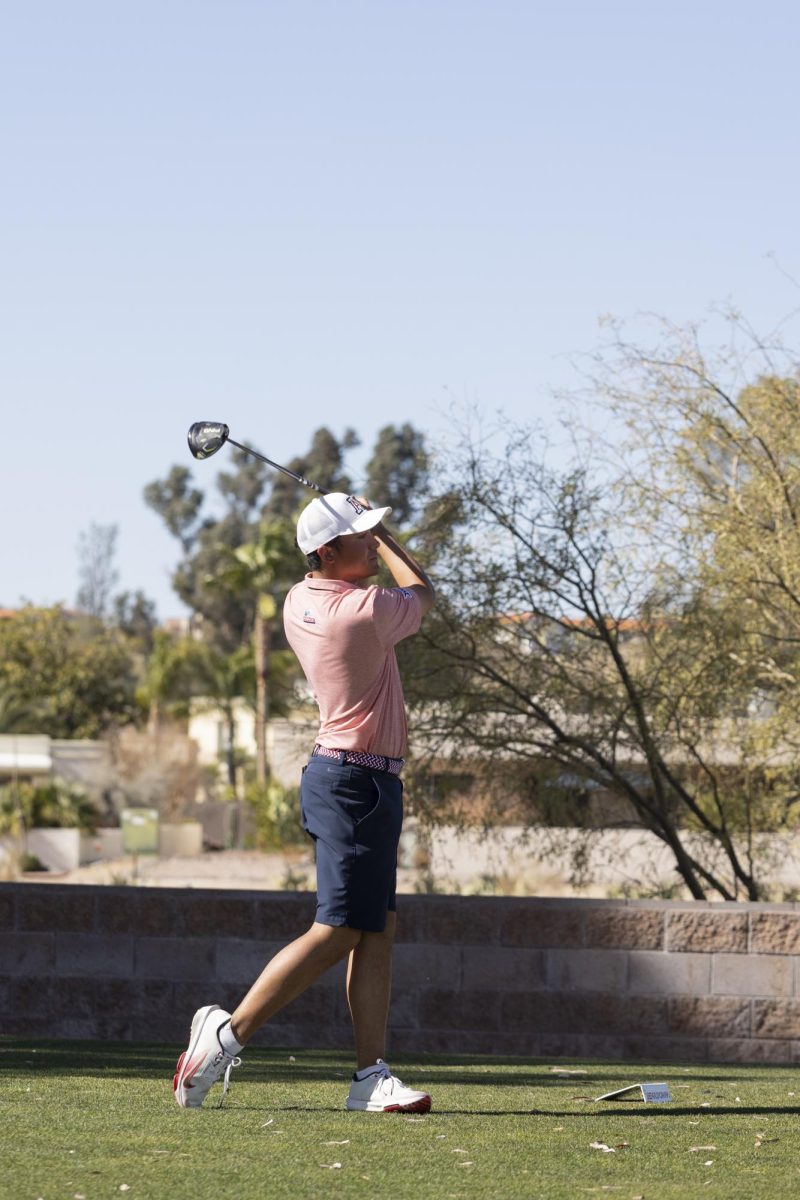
(661, 981)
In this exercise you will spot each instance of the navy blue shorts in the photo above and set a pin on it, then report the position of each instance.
(355, 816)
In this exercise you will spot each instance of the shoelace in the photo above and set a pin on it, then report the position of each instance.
(386, 1085)
(226, 1078)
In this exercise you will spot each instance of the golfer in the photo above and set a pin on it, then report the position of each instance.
(343, 630)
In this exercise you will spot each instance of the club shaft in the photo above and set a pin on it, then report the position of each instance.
(292, 474)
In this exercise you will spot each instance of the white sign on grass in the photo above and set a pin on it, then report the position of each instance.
(652, 1093)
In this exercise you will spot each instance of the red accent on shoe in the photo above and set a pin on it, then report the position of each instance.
(178, 1066)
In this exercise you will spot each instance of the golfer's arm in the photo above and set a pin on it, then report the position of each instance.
(406, 571)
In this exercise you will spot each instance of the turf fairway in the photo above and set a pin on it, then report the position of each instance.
(98, 1121)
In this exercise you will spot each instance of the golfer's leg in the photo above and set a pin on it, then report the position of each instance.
(369, 985)
(290, 972)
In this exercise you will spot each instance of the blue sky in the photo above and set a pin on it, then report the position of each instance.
(350, 213)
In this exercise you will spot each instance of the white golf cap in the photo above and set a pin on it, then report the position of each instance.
(333, 515)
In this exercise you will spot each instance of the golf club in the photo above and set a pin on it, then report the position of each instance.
(207, 437)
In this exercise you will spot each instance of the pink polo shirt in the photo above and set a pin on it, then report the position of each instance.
(344, 637)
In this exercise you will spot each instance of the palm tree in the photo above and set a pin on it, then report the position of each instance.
(263, 568)
(167, 676)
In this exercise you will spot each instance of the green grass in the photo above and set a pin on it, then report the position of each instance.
(85, 1119)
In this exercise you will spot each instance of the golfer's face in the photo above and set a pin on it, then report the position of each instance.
(357, 556)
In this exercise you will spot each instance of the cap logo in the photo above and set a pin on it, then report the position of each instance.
(351, 500)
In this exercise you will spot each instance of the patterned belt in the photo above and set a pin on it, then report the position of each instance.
(358, 758)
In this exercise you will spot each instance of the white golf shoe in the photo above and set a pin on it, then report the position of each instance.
(381, 1091)
(204, 1061)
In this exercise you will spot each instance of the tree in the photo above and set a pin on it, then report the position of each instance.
(168, 675)
(96, 570)
(397, 473)
(266, 567)
(79, 681)
(571, 644)
(223, 679)
(323, 463)
(134, 614)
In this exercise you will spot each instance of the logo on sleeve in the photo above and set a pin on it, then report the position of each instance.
(405, 592)
(309, 618)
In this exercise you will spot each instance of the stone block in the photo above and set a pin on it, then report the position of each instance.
(241, 960)
(668, 974)
(620, 1014)
(587, 970)
(580, 1046)
(145, 912)
(776, 1018)
(175, 958)
(775, 932)
(709, 1016)
(624, 928)
(752, 975)
(283, 916)
(41, 906)
(536, 1012)
(91, 998)
(454, 920)
(500, 968)
(25, 1026)
(750, 1050)
(98, 1028)
(537, 925)
(99, 955)
(705, 931)
(8, 908)
(447, 1008)
(316, 1009)
(464, 1044)
(235, 916)
(153, 1000)
(428, 966)
(665, 1049)
(26, 953)
(404, 1009)
(162, 1027)
(32, 996)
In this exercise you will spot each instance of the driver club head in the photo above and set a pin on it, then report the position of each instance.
(207, 437)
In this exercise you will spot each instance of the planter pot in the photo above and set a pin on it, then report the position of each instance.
(180, 841)
(56, 849)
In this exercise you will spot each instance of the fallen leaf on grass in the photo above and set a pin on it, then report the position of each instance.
(464, 1164)
(709, 1162)
(271, 1121)
(621, 1145)
(565, 1073)
(697, 1149)
(602, 1146)
(761, 1140)
(331, 1166)
(460, 1152)
(346, 1142)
